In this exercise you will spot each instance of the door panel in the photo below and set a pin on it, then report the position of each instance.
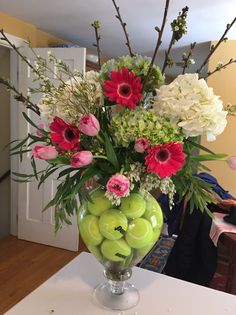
(33, 224)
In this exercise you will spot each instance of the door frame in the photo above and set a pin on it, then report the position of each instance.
(14, 112)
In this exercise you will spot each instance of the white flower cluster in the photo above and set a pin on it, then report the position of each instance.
(190, 103)
(151, 181)
(69, 101)
(136, 169)
(115, 200)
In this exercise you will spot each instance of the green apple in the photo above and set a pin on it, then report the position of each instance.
(99, 203)
(133, 206)
(116, 251)
(113, 224)
(139, 233)
(89, 230)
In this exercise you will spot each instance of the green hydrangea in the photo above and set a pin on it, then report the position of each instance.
(129, 125)
(139, 65)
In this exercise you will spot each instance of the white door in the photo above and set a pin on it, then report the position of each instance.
(33, 224)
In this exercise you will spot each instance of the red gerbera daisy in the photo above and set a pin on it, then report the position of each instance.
(66, 136)
(123, 88)
(165, 160)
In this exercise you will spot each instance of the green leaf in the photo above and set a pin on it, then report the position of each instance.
(36, 138)
(21, 180)
(20, 152)
(111, 155)
(46, 175)
(60, 159)
(22, 175)
(208, 157)
(66, 171)
(20, 144)
(9, 144)
(30, 121)
(33, 164)
(199, 146)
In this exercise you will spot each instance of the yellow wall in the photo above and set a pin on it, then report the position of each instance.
(19, 28)
(224, 85)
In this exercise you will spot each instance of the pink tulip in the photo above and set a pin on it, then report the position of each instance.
(232, 162)
(39, 132)
(141, 145)
(44, 152)
(89, 125)
(119, 185)
(82, 158)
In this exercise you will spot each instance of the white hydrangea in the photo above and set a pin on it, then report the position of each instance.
(190, 103)
(79, 95)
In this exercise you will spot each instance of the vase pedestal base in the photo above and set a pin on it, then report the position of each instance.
(116, 295)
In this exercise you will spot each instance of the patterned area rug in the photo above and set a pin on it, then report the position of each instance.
(156, 259)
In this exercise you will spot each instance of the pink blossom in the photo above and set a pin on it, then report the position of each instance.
(39, 132)
(81, 159)
(232, 162)
(89, 125)
(44, 152)
(119, 185)
(141, 145)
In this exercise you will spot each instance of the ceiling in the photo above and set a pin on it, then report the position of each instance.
(71, 20)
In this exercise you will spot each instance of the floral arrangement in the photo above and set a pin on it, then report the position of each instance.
(123, 126)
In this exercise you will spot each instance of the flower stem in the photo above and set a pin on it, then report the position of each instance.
(100, 157)
(100, 139)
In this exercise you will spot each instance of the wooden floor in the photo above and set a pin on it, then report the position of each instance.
(24, 266)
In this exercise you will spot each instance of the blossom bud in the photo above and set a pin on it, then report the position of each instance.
(44, 152)
(89, 125)
(232, 162)
(141, 145)
(39, 132)
(82, 158)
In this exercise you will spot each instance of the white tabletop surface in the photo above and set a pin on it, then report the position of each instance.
(69, 292)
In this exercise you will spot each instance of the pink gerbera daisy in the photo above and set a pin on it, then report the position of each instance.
(165, 160)
(123, 88)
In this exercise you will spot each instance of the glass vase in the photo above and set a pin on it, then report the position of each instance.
(119, 237)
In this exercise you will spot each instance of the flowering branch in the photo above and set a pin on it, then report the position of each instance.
(20, 97)
(219, 67)
(214, 47)
(4, 37)
(187, 58)
(96, 26)
(159, 41)
(178, 30)
(123, 24)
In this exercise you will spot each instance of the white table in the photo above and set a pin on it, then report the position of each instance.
(69, 291)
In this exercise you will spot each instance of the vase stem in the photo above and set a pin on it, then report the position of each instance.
(117, 287)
